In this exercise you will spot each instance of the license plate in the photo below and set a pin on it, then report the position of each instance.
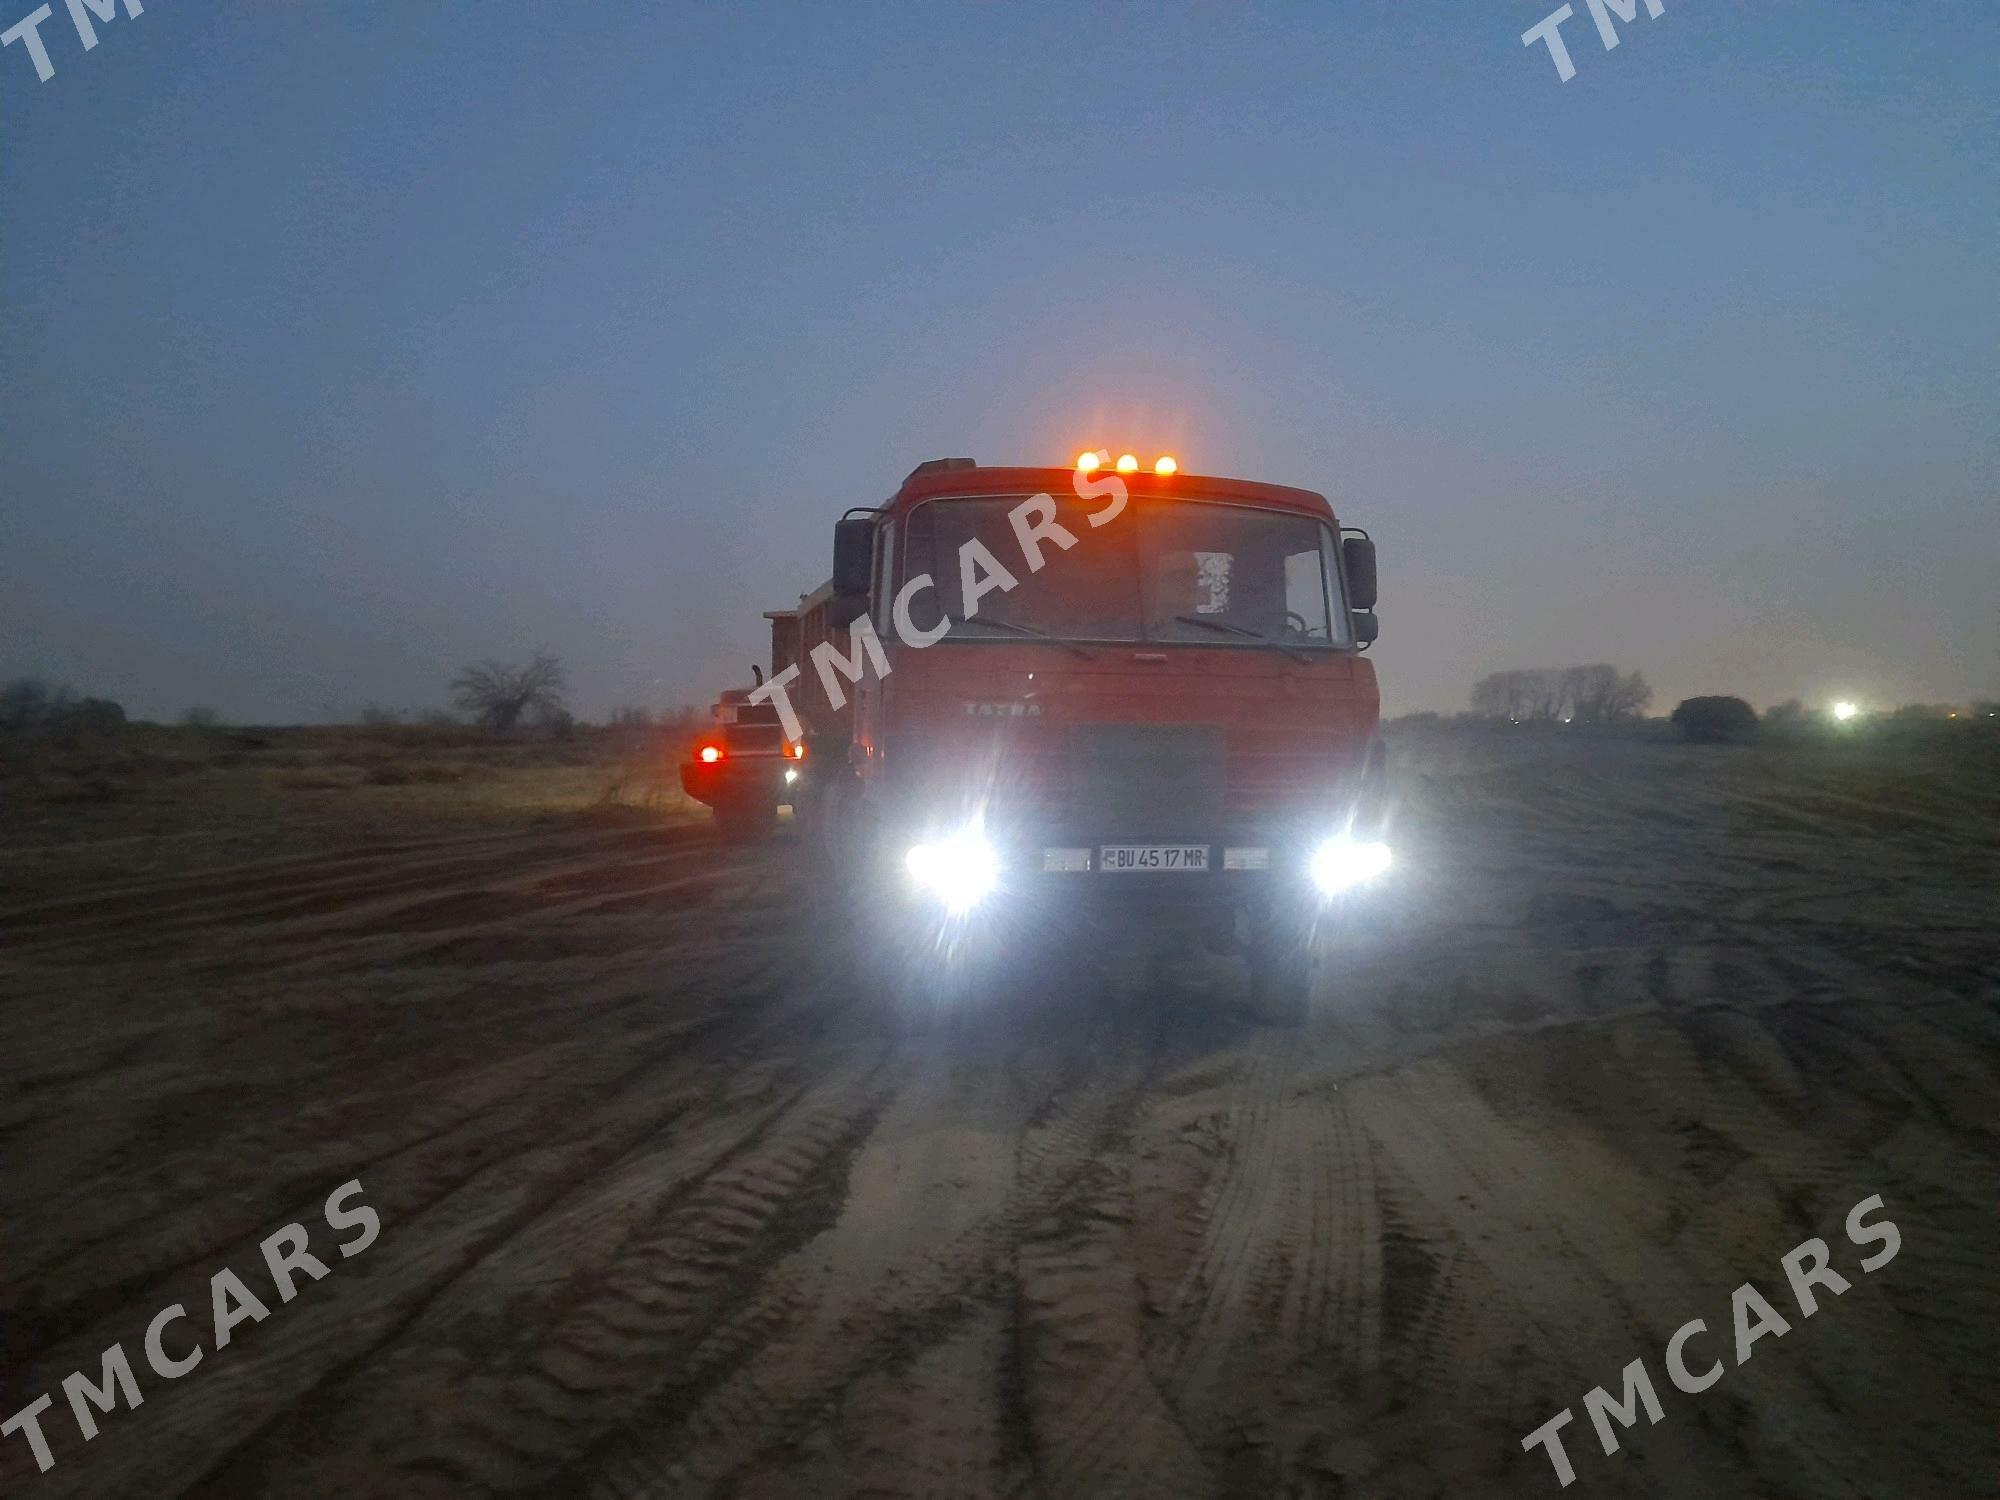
(1117, 859)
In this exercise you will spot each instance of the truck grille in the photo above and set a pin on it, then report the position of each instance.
(1148, 781)
(1165, 780)
(745, 739)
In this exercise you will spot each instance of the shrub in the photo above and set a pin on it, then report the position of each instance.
(31, 706)
(95, 716)
(30, 703)
(1714, 721)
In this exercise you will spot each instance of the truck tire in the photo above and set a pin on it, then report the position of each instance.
(895, 968)
(1281, 973)
(743, 821)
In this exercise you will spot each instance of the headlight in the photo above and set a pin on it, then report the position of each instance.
(1341, 864)
(959, 871)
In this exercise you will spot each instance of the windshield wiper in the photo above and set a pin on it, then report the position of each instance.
(1225, 628)
(1040, 635)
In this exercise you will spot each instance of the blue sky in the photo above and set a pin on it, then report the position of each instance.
(343, 343)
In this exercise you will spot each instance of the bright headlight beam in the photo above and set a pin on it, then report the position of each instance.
(959, 871)
(1342, 864)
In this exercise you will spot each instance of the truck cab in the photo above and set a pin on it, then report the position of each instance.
(1130, 692)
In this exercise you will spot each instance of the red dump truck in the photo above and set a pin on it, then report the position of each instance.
(1109, 691)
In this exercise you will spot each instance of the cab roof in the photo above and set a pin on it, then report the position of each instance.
(962, 477)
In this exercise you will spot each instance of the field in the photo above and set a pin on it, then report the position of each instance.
(667, 1208)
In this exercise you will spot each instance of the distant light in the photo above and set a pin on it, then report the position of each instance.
(791, 776)
(1089, 463)
(1844, 711)
(1165, 465)
(1128, 463)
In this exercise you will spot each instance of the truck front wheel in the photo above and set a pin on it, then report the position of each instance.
(1281, 971)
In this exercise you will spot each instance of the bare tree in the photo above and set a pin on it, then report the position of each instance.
(1500, 695)
(1587, 691)
(1595, 693)
(1600, 693)
(1629, 698)
(1548, 695)
(499, 696)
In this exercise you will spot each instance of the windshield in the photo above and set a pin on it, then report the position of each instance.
(1175, 570)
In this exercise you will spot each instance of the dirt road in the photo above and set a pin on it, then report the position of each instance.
(669, 1209)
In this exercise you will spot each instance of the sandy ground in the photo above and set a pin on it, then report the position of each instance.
(669, 1209)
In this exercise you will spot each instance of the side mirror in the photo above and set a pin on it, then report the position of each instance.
(842, 610)
(1357, 555)
(1367, 629)
(853, 556)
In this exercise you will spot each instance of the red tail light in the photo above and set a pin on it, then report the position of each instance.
(710, 754)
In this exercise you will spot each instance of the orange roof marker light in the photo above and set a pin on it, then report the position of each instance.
(1089, 463)
(1128, 463)
(1165, 465)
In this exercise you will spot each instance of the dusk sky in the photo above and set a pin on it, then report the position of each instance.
(343, 343)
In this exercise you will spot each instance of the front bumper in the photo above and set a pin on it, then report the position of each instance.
(1052, 871)
(740, 778)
